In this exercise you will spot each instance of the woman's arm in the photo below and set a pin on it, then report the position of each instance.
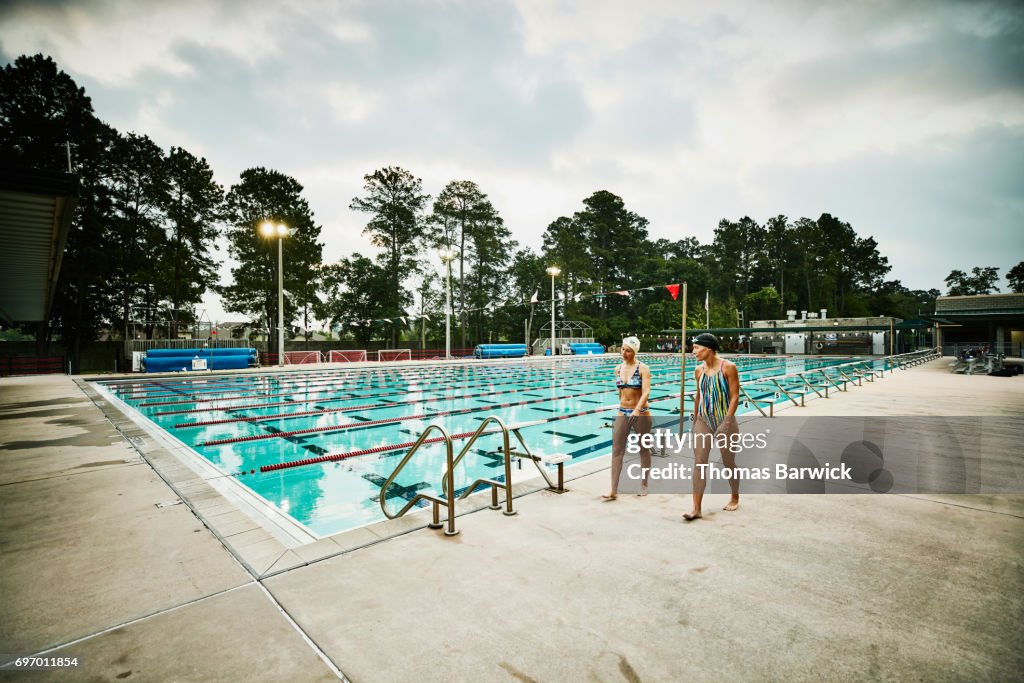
(645, 388)
(733, 377)
(696, 393)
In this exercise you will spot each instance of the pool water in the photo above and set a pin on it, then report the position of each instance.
(242, 423)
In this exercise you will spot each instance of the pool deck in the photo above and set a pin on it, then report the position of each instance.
(100, 559)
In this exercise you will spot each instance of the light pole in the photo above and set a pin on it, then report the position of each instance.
(447, 255)
(280, 231)
(553, 271)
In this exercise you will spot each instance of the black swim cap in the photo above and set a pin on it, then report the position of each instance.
(707, 340)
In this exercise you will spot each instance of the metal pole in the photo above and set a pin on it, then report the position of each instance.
(280, 301)
(450, 496)
(682, 349)
(448, 315)
(552, 316)
(892, 336)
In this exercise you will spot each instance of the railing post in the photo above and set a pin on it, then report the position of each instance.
(436, 524)
(508, 474)
(450, 498)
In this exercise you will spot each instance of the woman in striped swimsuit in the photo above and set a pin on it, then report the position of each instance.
(718, 396)
(633, 380)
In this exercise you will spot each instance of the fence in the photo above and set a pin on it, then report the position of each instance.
(32, 365)
(301, 357)
(1012, 349)
(148, 344)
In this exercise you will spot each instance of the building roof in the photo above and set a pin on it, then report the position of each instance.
(786, 329)
(980, 305)
(36, 208)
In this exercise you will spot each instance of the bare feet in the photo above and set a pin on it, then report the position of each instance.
(643, 491)
(733, 504)
(609, 497)
(690, 516)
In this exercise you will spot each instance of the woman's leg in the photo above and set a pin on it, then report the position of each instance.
(703, 438)
(730, 427)
(642, 425)
(620, 431)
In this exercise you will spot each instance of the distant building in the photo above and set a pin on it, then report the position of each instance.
(814, 333)
(993, 320)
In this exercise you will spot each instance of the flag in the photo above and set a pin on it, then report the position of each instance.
(533, 299)
(673, 290)
(706, 300)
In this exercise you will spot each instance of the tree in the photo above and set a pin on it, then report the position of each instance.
(892, 298)
(468, 222)
(526, 272)
(139, 193)
(1015, 276)
(260, 195)
(980, 281)
(762, 304)
(736, 250)
(616, 238)
(43, 110)
(778, 255)
(599, 250)
(432, 299)
(194, 202)
(492, 249)
(355, 291)
(395, 200)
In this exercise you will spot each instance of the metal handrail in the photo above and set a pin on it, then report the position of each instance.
(557, 488)
(859, 369)
(489, 482)
(757, 402)
(776, 383)
(811, 387)
(448, 502)
(842, 365)
(840, 387)
(859, 381)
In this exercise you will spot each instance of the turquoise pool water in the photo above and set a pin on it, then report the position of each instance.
(240, 423)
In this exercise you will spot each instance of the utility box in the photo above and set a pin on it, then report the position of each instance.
(878, 343)
(796, 342)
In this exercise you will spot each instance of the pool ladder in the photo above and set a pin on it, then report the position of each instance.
(452, 461)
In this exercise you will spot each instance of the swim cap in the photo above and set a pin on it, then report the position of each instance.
(631, 342)
(707, 340)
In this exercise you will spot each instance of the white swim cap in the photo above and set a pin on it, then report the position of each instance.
(631, 342)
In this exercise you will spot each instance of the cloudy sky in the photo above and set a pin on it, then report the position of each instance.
(904, 118)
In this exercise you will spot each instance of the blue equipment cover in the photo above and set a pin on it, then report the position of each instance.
(500, 351)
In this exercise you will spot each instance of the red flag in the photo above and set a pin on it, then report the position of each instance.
(673, 290)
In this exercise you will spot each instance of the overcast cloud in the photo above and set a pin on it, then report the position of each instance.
(905, 119)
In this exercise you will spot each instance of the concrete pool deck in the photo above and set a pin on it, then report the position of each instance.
(100, 559)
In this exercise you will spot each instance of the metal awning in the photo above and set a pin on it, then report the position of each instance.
(36, 208)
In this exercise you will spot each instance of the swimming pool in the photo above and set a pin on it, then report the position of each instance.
(268, 430)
